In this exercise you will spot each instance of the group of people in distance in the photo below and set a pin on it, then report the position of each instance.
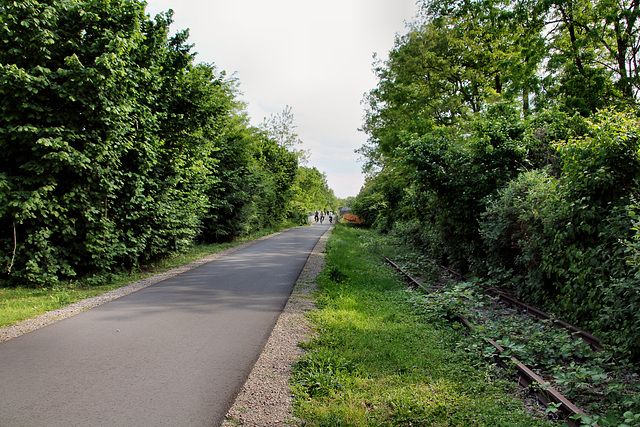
(319, 216)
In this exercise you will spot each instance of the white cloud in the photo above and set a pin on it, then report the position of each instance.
(313, 56)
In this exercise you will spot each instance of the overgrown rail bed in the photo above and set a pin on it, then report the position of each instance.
(377, 360)
(546, 395)
(570, 361)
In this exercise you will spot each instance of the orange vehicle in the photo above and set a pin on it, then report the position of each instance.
(353, 219)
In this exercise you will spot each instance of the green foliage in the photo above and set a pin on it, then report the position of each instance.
(515, 232)
(589, 53)
(382, 201)
(586, 260)
(375, 360)
(596, 382)
(312, 193)
(96, 175)
(455, 173)
(604, 163)
(279, 167)
(117, 147)
(254, 186)
(557, 240)
(540, 201)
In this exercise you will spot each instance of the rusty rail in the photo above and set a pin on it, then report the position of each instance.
(544, 393)
(591, 340)
(412, 282)
(575, 332)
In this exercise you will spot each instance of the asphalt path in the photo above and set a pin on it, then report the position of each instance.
(173, 354)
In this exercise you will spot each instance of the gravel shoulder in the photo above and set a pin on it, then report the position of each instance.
(265, 399)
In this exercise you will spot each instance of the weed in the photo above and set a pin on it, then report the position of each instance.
(596, 382)
(320, 372)
(377, 360)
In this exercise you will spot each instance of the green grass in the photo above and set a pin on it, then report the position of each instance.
(19, 303)
(377, 361)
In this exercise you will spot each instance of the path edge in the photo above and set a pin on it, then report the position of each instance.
(40, 321)
(265, 399)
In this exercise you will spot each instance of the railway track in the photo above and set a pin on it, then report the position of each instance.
(545, 394)
(575, 332)
(591, 340)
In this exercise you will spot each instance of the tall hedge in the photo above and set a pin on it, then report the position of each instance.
(113, 142)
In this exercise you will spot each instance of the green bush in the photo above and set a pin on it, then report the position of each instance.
(567, 242)
(515, 233)
(455, 173)
(117, 147)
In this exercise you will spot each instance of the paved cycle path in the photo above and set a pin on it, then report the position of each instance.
(172, 354)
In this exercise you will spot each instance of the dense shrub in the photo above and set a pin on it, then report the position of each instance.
(534, 196)
(372, 205)
(514, 230)
(454, 174)
(567, 242)
(117, 147)
(544, 206)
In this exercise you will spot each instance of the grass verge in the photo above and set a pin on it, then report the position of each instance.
(376, 361)
(20, 303)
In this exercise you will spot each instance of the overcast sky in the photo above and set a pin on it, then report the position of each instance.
(314, 56)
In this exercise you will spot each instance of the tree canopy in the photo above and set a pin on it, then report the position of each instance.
(118, 147)
(503, 141)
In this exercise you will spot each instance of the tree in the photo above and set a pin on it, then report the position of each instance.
(107, 127)
(599, 36)
(498, 146)
(119, 148)
(311, 191)
(281, 128)
(65, 130)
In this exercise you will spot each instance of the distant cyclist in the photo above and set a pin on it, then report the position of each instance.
(321, 217)
(330, 217)
(316, 217)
